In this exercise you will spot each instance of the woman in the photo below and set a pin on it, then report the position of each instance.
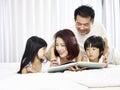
(65, 49)
(33, 57)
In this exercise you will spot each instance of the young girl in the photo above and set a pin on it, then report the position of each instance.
(94, 47)
(33, 57)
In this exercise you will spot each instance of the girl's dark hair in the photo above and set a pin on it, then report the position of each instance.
(95, 41)
(84, 11)
(33, 44)
(70, 41)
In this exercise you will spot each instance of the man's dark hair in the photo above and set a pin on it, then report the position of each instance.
(84, 11)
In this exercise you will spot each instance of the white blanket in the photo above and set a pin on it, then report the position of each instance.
(107, 77)
(95, 79)
(39, 81)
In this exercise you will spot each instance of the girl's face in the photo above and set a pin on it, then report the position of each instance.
(61, 47)
(93, 53)
(41, 52)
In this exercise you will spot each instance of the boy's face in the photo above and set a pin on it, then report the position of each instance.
(93, 53)
(83, 24)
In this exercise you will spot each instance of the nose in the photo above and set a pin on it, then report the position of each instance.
(90, 51)
(81, 27)
(59, 47)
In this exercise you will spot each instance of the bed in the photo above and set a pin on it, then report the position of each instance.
(95, 79)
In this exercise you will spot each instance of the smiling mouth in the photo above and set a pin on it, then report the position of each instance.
(82, 31)
(60, 53)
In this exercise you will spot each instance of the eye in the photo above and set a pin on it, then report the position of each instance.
(87, 49)
(87, 24)
(78, 24)
(63, 45)
(56, 44)
(94, 48)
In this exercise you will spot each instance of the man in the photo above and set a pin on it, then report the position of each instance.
(86, 27)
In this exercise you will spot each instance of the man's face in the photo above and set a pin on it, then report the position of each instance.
(83, 24)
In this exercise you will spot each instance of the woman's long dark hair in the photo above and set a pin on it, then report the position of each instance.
(33, 44)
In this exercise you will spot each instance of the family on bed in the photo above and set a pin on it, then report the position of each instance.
(86, 41)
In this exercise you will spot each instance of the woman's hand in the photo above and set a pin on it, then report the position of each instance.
(54, 63)
(50, 53)
(76, 68)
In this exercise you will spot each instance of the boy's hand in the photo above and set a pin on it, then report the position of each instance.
(105, 61)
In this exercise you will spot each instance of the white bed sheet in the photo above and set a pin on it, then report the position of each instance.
(107, 77)
(97, 79)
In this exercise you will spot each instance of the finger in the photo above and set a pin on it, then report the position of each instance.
(105, 61)
(82, 68)
(76, 67)
(29, 69)
(54, 63)
(70, 68)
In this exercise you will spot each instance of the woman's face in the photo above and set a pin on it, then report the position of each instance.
(41, 52)
(61, 47)
(93, 53)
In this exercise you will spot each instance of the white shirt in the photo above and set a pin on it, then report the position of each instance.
(96, 29)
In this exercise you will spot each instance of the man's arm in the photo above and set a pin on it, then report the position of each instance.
(105, 53)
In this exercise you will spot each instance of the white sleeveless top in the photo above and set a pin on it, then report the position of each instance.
(45, 66)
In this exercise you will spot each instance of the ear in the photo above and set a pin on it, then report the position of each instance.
(101, 52)
(92, 21)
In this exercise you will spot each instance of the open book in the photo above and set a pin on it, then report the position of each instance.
(89, 65)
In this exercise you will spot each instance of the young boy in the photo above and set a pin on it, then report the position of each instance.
(94, 47)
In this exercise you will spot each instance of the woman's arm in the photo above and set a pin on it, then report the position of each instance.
(79, 57)
(50, 55)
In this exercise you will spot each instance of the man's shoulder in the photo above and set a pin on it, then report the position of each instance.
(98, 26)
(98, 29)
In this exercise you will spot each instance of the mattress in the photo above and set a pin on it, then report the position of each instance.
(93, 79)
